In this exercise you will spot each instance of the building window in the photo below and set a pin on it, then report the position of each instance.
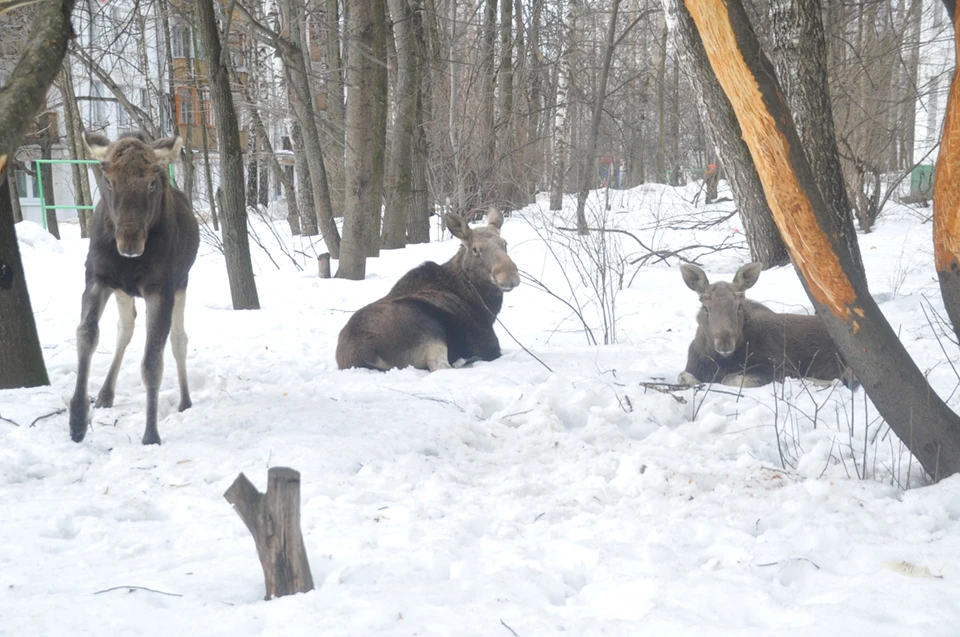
(180, 41)
(208, 109)
(186, 110)
(27, 186)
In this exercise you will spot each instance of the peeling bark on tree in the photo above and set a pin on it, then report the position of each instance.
(274, 520)
(946, 198)
(893, 381)
(763, 237)
(800, 58)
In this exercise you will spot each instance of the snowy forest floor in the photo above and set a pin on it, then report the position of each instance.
(494, 499)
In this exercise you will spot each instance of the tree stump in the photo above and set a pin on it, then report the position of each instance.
(324, 261)
(274, 520)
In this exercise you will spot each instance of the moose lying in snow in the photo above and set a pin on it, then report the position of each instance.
(742, 343)
(437, 314)
(143, 241)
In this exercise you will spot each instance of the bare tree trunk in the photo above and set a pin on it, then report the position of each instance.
(660, 167)
(562, 130)
(460, 195)
(25, 91)
(895, 384)
(418, 225)
(236, 246)
(366, 135)
(302, 96)
(399, 200)
(73, 125)
(253, 174)
(15, 210)
(335, 120)
(488, 75)
(305, 201)
(763, 236)
(589, 159)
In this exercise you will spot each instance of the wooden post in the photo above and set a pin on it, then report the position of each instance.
(324, 260)
(274, 520)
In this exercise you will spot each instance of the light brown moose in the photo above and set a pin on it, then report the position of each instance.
(437, 314)
(743, 343)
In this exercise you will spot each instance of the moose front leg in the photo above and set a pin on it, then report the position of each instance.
(159, 316)
(94, 298)
(127, 313)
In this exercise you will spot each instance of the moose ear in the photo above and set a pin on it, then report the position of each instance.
(494, 217)
(694, 277)
(166, 150)
(96, 145)
(746, 277)
(458, 226)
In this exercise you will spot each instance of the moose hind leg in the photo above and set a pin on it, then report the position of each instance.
(178, 343)
(435, 355)
(94, 299)
(159, 316)
(125, 323)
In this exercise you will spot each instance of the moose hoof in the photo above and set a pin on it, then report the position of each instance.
(686, 378)
(185, 404)
(78, 419)
(151, 438)
(744, 380)
(104, 399)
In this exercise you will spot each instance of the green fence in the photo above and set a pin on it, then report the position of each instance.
(43, 200)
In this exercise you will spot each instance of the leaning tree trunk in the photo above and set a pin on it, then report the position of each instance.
(20, 100)
(366, 135)
(233, 213)
(946, 194)
(589, 160)
(761, 231)
(800, 57)
(302, 96)
(399, 200)
(893, 381)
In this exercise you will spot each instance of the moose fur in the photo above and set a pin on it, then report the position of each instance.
(143, 241)
(437, 314)
(741, 342)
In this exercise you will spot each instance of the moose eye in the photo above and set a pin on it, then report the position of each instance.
(476, 250)
(152, 186)
(706, 310)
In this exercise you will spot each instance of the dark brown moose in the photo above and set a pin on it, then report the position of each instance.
(740, 342)
(437, 314)
(143, 241)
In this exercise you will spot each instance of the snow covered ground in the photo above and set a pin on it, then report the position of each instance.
(491, 500)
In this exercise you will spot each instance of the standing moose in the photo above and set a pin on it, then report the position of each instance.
(143, 241)
(741, 342)
(436, 314)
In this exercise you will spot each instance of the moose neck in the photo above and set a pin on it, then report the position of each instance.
(477, 282)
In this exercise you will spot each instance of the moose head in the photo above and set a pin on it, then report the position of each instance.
(133, 184)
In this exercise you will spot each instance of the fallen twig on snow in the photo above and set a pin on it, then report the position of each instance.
(130, 589)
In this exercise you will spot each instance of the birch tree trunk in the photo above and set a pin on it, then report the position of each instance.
(562, 131)
(399, 199)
